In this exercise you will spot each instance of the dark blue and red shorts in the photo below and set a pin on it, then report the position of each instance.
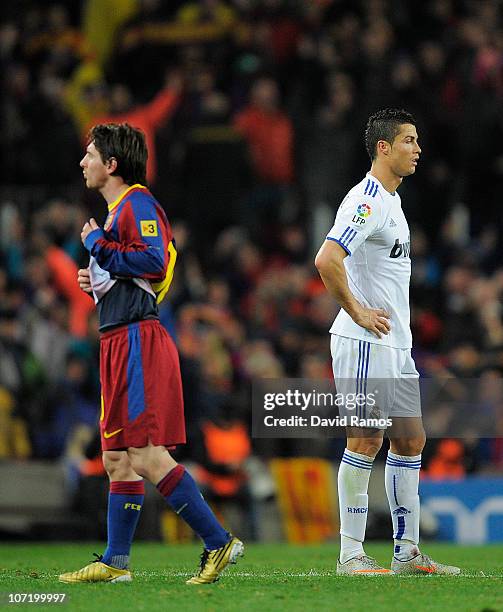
(141, 387)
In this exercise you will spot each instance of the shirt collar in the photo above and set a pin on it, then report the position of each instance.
(373, 178)
(118, 200)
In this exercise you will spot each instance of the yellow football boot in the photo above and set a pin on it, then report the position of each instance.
(213, 562)
(97, 571)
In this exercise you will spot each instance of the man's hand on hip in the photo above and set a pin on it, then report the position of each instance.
(376, 320)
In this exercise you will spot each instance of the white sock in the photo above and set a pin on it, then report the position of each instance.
(402, 483)
(353, 482)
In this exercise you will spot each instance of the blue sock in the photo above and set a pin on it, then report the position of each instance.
(124, 505)
(182, 495)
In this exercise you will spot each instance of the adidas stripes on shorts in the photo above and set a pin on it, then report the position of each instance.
(386, 377)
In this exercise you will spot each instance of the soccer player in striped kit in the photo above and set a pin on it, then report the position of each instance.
(130, 270)
(365, 264)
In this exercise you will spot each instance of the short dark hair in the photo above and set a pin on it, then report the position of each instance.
(127, 145)
(385, 125)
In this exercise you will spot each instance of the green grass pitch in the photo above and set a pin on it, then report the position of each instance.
(269, 577)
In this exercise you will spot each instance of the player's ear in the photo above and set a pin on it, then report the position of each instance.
(111, 164)
(383, 147)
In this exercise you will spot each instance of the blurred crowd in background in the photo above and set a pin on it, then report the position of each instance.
(254, 111)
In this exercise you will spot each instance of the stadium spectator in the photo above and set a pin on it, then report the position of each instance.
(148, 117)
(447, 462)
(270, 137)
(269, 133)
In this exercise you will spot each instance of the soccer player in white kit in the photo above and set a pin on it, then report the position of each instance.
(365, 264)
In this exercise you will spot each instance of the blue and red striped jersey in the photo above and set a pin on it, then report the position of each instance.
(132, 259)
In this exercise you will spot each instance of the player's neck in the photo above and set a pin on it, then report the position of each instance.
(388, 179)
(114, 187)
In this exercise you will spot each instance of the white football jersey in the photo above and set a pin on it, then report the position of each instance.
(102, 281)
(371, 227)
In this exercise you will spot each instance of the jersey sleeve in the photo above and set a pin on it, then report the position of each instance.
(355, 221)
(142, 248)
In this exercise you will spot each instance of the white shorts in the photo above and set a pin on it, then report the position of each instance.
(389, 373)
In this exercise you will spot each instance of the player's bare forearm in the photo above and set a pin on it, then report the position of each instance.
(336, 285)
(330, 264)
